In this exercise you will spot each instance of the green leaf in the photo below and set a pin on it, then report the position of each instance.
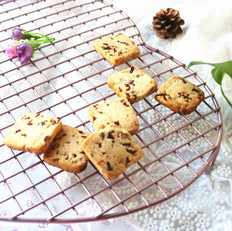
(218, 73)
(224, 67)
(193, 63)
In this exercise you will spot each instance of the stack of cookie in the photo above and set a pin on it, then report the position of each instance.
(61, 144)
(111, 148)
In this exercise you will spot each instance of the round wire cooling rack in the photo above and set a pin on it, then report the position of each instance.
(62, 80)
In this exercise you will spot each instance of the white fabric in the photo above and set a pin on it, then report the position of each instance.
(207, 203)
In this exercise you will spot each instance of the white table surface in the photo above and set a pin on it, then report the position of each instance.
(207, 203)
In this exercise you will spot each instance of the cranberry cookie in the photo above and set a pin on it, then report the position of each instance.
(117, 49)
(180, 95)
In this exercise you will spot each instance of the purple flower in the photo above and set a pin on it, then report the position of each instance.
(24, 52)
(17, 34)
(11, 51)
(26, 44)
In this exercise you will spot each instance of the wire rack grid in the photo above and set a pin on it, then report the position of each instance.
(62, 80)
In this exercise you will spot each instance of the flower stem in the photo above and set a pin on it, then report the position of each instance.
(225, 97)
(37, 43)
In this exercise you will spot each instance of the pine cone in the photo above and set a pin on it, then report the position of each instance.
(167, 23)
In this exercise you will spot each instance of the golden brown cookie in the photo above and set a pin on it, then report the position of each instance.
(118, 111)
(180, 95)
(112, 150)
(33, 133)
(117, 49)
(65, 151)
(132, 83)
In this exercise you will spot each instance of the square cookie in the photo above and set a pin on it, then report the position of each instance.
(65, 150)
(112, 150)
(132, 83)
(118, 111)
(180, 95)
(33, 133)
(117, 49)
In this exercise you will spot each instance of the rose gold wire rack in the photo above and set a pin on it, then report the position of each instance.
(62, 80)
